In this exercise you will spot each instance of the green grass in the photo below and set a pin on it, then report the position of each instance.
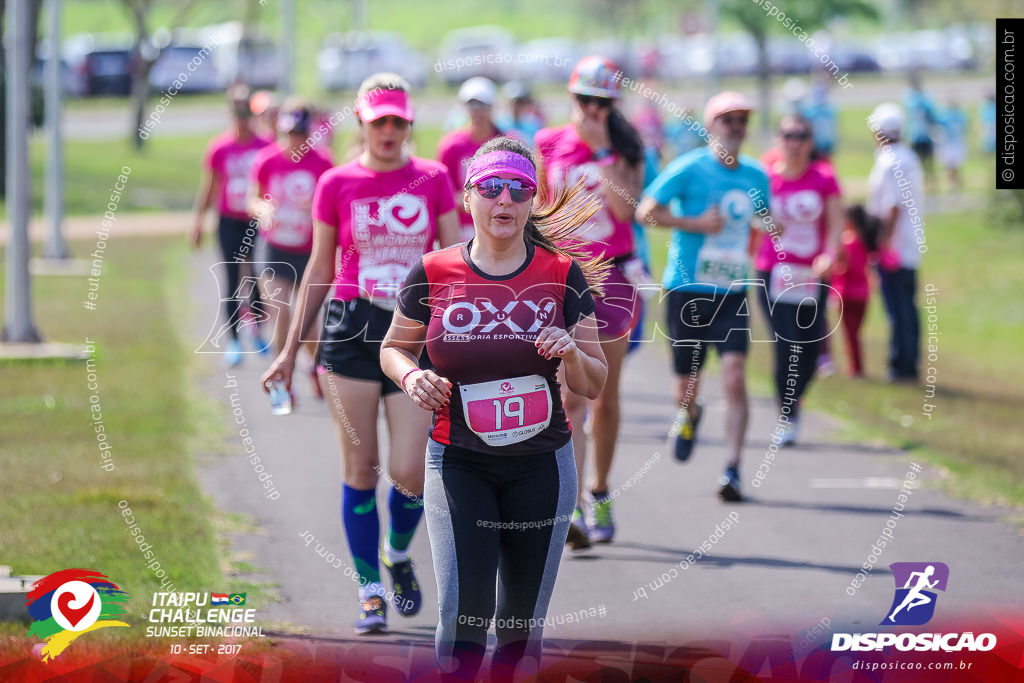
(59, 509)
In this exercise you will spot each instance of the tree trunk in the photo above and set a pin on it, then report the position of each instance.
(140, 92)
(764, 87)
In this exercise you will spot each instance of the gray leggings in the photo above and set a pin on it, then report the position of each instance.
(495, 517)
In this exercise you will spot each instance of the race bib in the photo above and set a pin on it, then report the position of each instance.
(382, 283)
(507, 411)
(720, 267)
(793, 285)
(234, 194)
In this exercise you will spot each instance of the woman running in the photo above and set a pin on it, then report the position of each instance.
(377, 215)
(228, 159)
(282, 181)
(501, 479)
(600, 148)
(805, 200)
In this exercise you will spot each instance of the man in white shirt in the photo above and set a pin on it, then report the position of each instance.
(896, 197)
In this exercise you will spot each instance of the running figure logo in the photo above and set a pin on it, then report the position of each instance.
(916, 583)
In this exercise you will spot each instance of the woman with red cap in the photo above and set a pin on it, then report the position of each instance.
(374, 217)
(601, 149)
(500, 474)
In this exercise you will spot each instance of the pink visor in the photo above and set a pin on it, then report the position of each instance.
(501, 162)
(380, 102)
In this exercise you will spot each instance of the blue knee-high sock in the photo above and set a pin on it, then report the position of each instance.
(362, 528)
(405, 515)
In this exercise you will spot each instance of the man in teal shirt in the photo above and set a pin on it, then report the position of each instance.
(710, 197)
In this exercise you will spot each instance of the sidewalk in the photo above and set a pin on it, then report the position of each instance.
(785, 563)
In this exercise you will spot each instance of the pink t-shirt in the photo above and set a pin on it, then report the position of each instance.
(852, 282)
(454, 151)
(385, 221)
(229, 158)
(800, 206)
(290, 186)
(566, 160)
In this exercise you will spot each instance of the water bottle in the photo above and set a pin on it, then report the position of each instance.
(280, 399)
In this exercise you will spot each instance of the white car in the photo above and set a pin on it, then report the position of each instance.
(346, 60)
(488, 51)
(547, 60)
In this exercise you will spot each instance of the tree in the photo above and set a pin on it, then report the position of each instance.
(145, 54)
(34, 9)
(807, 16)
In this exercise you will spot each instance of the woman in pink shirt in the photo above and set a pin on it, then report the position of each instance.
(228, 159)
(792, 260)
(600, 149)
(374, 218)
(282, 180)
(850, 279)
(457, 147)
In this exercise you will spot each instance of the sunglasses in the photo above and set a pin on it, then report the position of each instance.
(730, 120)
(396, 121)
(493, 187)
(796, 137)
(601, 102)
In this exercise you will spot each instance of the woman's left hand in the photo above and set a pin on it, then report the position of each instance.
(554, 341)
(593, 130)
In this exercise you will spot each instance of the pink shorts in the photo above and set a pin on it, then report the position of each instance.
(618, 310)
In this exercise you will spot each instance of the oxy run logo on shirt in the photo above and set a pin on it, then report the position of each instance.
(522, 318)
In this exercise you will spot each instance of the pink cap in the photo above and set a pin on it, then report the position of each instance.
(501, 162)
(380, 102)
(723, 103)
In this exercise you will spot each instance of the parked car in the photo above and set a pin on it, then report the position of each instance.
(194, 60)
(243, 53)
(546, 60)
(477, 51)
(346, 60)
(100, 65)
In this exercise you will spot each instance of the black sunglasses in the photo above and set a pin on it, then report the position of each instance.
(517, 190)
(602, 102)
(796, 137)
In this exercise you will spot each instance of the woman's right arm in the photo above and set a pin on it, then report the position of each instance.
(399, 359)
(310, 296)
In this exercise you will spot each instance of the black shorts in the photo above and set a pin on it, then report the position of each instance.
(351, 339)
(923, 148)
(269, 256)
(697, 319)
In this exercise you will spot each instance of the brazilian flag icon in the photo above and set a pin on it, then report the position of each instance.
(237, 598)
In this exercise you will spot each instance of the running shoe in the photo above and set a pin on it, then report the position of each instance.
(790, 434)
(825, 365)
(373, 617)
(407, 596)
(233, 356)
(578, 538)
(684, 431)
(601, 527)
(730, 482)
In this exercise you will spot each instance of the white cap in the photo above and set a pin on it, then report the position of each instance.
(887, 119)
(478, 88)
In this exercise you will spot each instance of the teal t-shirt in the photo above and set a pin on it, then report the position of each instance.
(689, 186)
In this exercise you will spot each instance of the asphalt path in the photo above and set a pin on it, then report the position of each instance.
(783, 565)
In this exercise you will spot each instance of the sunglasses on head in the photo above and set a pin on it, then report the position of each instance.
(586, 100)
(519, 191)
(796, 136)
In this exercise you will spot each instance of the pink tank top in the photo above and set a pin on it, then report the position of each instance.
(566, 160)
